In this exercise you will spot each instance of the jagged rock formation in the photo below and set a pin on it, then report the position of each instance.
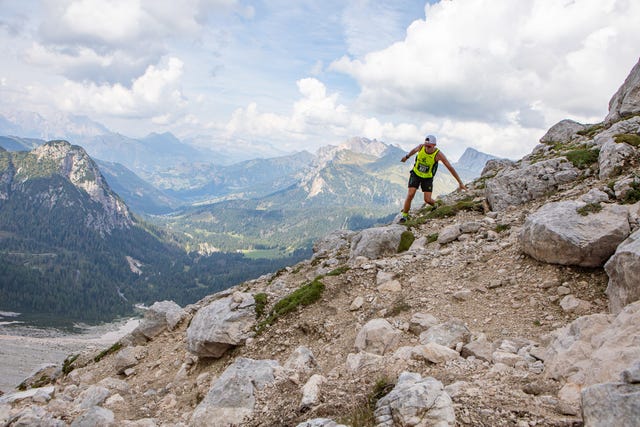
(72, 163)
(467, 330)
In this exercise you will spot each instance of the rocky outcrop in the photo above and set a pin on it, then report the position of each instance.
(611, 404)
(221, 325)
(594, 349)
(374, 243)
(161, 316)
(562, 132)
(626, 101)
(513, 187)
(613, 158)
(231, 397)
(623, 269)
(415, 401)
(558, 233)
(74, 164)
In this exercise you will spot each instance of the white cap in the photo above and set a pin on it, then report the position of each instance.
(431, 139)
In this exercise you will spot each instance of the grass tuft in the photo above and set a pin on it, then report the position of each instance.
(305, 295)
(583, 158)
(589, 208)
(117, 346)
(628, 138)
(261, 304)
(406, 239)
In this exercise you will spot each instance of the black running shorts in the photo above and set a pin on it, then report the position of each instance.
(416, 182)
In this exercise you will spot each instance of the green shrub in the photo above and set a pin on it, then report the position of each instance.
(502, 227)
(117, 346)
(406, 239)
(443, 211)
(338, 271)
(305, 295)
(583, 158)
(399, 306)
(261, 304)
(632, 196)
(592, 130)
(628, 138)
(589, 208)
(432, 237)
(363, 415)
(67, 365)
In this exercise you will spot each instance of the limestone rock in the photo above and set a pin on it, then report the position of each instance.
(311, 391)
(377, 242)
(420, 322)
(449, 234)
(159, 317)
(612, 158)
(415, 401)
(231, 397)
(611, 404)
(556, 233)
(377, 336)
(448, 334)
(301, 360)
(224, 323)
(529, 182)
(626, 101)
(623, 269)
(563, 131)
(594, 349)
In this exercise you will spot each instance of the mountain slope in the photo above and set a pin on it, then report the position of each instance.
(71, 247)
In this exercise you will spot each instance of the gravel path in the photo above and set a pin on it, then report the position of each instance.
(20, 355)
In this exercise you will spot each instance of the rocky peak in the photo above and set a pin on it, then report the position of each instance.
(74, 164)
(626, 101)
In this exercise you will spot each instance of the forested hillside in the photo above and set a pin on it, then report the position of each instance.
(70, 246)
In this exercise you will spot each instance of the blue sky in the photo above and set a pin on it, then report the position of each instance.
(280, 76)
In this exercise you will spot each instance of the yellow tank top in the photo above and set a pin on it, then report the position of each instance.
(423, 166)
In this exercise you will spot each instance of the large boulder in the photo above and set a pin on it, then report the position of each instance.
(332, 243)
(222, 324)
(415, 401)
(623, 269)
(557, 233)
(626, 101)
(611, 404)
(532, 181)
(231, 397)
(594, 349)
(161, 316)
(563, 131)
(377, 242)
(448, 334)
(377, 336)
(613, 158)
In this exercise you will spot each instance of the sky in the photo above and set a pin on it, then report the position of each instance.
(279, 76)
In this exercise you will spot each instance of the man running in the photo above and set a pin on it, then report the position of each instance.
(423, 171)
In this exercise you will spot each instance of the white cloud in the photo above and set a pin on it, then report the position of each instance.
(152, 94)
(316, 118)
(488, 59)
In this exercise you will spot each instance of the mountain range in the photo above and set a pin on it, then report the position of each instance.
(90, 238)
(69, 245)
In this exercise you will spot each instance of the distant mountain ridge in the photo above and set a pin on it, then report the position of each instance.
(70, 245)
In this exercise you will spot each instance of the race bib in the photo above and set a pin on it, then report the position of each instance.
(423, 168)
